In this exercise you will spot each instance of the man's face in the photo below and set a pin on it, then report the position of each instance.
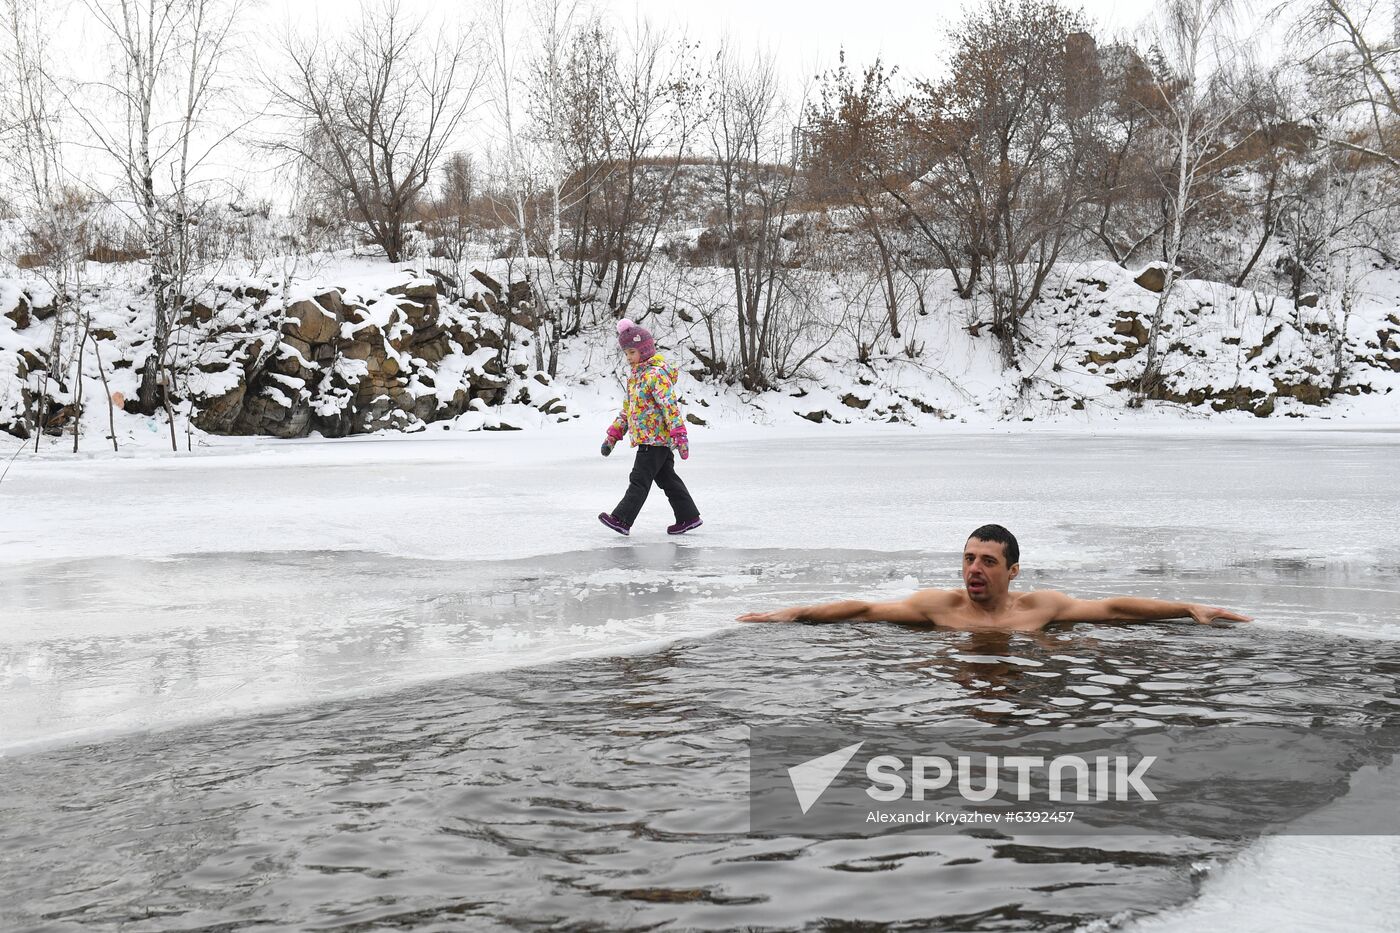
(986, 575)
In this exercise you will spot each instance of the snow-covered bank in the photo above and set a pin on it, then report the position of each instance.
(1278, 884)
(1275, 883)
(355, 345)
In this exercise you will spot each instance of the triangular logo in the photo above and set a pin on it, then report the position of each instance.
(811, 778)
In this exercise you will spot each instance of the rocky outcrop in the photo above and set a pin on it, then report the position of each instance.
(1130, 325)
(339, 366)
(1154, 277)
(19, 315)
(29, 309)
(514, 302)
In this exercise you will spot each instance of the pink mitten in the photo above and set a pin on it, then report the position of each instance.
(681, 442)
(614, 435)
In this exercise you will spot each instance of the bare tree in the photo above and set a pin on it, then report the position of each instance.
(1357, 65)
(452, 220)
(554, 25)
(1340, 209)
(1195, 56)
(1122, 168)
(170, 56)
(587, 131)
(657, 107)
(1267, 147)
(515, 168)
(1013, 123)
(942, 208)
(854, 153)
(373, 113)
(54, 215)
(751, 143)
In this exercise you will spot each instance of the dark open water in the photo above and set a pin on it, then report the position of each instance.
(610, 793)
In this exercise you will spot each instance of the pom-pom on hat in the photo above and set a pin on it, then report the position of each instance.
(633, 336)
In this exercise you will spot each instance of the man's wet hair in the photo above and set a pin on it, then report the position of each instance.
(998, 535)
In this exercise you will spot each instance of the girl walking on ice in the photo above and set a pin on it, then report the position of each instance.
(653, 418)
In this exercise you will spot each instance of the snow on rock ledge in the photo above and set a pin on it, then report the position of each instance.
(255, 358)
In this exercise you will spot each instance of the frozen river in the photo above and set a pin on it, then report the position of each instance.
(309, 596)
(143, 593)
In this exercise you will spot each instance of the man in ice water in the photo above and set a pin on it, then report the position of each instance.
(990, 562)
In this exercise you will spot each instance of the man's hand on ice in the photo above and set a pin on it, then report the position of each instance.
(1205, 615)
(777, 615)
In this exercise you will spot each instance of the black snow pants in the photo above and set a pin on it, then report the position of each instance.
(655, 464)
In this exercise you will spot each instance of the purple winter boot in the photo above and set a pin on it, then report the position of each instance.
(680, 528)
(614, 524)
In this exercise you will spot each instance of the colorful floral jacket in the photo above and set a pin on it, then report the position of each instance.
(650, 412)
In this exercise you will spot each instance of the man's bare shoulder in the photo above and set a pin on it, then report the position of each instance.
(933, 601)
(1042, 599)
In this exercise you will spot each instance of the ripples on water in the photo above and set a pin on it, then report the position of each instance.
(610, 793)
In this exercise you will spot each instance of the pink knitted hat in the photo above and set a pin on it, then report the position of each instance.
(634, 336)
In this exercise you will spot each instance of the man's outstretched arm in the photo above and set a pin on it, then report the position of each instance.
(1135, 609)
(851, 610)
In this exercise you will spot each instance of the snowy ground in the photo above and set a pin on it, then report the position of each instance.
(149, 592)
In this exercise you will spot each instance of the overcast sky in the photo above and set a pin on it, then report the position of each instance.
(804, 35)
